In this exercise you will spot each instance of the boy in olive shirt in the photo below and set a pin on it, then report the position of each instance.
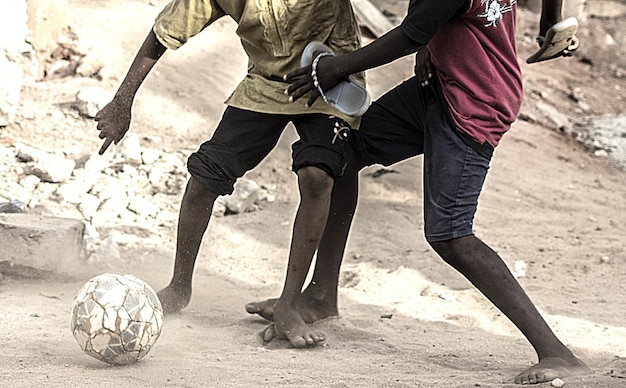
(274, 34)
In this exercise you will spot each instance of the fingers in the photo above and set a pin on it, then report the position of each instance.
(113, 122)
(312, 98)
(107, 135)
(300, 86)
(108, 139)
(105, 145)
(298, 89)
(426, 74)
(574, 44)
(297, 74)
(424, 68)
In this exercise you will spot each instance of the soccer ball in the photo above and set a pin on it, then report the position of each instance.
(116, 318)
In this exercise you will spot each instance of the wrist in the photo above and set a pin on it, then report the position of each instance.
(124, 97)
(548, 21)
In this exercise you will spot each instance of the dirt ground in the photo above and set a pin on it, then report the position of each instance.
(406, 319)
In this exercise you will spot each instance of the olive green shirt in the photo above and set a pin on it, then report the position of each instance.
(273, 33)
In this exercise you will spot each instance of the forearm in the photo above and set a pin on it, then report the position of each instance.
(149, 53)
(551, 13)
(389, 47)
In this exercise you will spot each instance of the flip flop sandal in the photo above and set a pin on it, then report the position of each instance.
(348, 97)
(559, 37)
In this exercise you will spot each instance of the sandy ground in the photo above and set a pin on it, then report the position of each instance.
(547, 203)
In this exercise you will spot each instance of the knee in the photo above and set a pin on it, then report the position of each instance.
(452, 251)
(445, 249)
(197, 192)
(314, 182)
(463, 252)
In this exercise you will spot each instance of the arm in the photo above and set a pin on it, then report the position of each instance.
(114, 119)
(550, 15)
(332, 70)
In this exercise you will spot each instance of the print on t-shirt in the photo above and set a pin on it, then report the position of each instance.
(494, 10)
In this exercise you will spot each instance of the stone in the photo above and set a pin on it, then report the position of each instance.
(553, 118)
(44, 243)
(89, 66)
(150, 156)
(129, 149)
(558, 383)
(243, 197)
(46, 21)
(48, 167)
(11, 78)
(143, 207)
(90, 100)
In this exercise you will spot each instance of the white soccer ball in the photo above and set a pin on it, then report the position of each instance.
(116, 318)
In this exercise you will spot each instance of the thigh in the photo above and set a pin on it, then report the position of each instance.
(322, 143)
(454, 174)
(392, 129)
(248, 135)
(240, 142)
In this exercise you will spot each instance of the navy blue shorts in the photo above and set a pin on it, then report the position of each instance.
(244, 138)
(412, 120)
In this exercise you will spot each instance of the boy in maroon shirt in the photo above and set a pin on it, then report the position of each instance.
(454, 116)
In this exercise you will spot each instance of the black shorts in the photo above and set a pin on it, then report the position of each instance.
(412, 120)
(244, 138)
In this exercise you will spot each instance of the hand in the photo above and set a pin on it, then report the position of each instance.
(545, 23)
(572, 47)
(567, 52)
(301, 80)
(424, 69)
(113, 123)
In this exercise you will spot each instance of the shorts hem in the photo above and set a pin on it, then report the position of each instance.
(448, 236)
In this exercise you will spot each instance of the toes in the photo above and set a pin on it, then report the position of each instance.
(269, 333)
(298, 342)
(306, 340)
(318, 337)
(531, 378)
(263, 309)
(540, 377)
(522, 378)
(252, 308)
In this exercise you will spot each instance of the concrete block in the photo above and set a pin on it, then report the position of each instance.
(44, 243)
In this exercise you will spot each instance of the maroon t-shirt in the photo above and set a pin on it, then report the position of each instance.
(472, 45)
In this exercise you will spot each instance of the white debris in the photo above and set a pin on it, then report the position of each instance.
(519, 270)
(558, 383)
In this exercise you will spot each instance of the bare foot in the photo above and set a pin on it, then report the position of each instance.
(550, 368)
(174, 298)
(311, 310)
(265, 308)
(288, 324)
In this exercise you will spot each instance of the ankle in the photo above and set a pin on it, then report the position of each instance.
(180, 285)
(317, 294)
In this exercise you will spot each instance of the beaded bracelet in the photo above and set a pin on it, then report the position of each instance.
(314, 76)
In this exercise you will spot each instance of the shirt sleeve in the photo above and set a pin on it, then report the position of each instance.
(182, 19)
(425, 18)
